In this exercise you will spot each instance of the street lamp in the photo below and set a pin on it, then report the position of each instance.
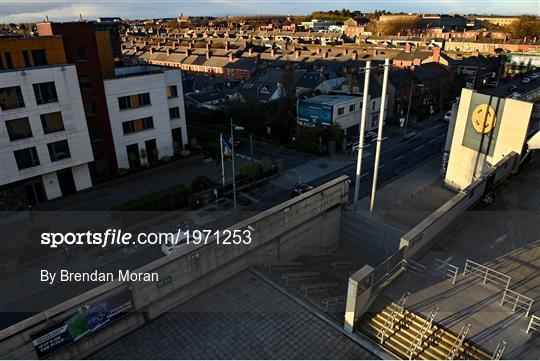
(404, 124)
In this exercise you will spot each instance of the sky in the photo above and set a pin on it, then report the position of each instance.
(15, 11)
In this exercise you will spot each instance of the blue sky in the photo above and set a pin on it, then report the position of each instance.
(62, 10)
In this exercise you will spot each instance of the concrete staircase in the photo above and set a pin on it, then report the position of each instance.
(413, 336)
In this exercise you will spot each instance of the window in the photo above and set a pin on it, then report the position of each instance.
(80, 53)
(174, 113)
(26, 57)
(89, 109)
(94, 133)
(52, 122)
(11, 98)
(9, 60)
(39, 56)
(59, 150)
(1, 62)
(84, 82)
(45, 93)
(137, 125)
(352, 107)
(26, 158)
(134, 101)
(172, 92)
(18, 128)
(341, 111)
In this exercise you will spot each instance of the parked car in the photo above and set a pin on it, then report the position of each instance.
(173, 243)
(515, 95)
(526, 80)
(447, 116)
(301, 188)
(370, 137)
(511, 89)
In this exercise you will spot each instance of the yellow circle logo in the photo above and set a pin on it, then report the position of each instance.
(483, 118)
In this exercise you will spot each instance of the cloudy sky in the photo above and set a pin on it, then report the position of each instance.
(63, 10)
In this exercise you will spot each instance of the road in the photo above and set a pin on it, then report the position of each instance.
(396, 160)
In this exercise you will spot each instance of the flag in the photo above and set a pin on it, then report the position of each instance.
(227, 149)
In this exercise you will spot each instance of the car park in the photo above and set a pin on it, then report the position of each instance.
(301, 188)
(174, 242)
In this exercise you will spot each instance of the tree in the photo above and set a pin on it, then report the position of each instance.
(526, 26)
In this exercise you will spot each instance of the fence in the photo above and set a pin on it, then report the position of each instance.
(486, 274)
(388, 268)
(519, 301)
(534, 324)
(447, 270)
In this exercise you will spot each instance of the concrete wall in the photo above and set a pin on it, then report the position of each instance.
(419, 238)
(308, 224)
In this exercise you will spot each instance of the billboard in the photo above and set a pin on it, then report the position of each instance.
(314, 114)
(86, 320)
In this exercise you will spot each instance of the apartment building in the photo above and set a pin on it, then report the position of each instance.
(44, 143)
(146, 110)
(91, 51)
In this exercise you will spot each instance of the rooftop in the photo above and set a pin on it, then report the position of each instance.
(330, 99)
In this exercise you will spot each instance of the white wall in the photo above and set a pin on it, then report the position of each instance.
(350, 119)
(76, 131)
(156, 85)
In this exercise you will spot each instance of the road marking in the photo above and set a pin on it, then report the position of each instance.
(363, 175)
(400, 157)
(442, 136)
(418, 148)
(433, 140)
(382, 166)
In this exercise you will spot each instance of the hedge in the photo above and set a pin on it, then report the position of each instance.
(169, 199)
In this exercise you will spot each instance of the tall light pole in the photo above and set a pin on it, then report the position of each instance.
(233, 169)
(362, 131)
(379, 134)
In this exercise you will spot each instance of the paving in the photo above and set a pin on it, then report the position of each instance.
(503, 235)
(241, 318)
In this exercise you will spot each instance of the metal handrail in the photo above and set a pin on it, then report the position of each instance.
(414, 267)
(499, 350)
(342, 265)
(533, 324)
(299, 276)
(458, 342)
(488, 274)
(389, 322)
(448, 270)
(519, 300)
(419, 338)
(283, 265)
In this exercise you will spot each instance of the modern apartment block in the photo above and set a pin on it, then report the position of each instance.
(146, 110)
(44, 143)
(91, 52)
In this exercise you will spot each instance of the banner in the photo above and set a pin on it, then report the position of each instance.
(87, 319)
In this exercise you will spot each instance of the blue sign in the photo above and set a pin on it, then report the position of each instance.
(316, 114)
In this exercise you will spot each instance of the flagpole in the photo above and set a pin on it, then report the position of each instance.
(222, 161)
(233, 171)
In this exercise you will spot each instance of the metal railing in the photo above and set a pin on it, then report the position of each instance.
(519, 301)
(333, 301)
(295, 277)
(419, 338)
(534, 324)
(314, 288)
(486, 274)
(458, 343)
(414, 267)
(447, 270)
(389, 323)
(340, 266)
(499, 350)
(388, 268)
(283, 266)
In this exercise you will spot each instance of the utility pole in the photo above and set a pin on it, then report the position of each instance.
(222, 160)
(408, 110)
(379, 134)
(362, 131)
(233, 169)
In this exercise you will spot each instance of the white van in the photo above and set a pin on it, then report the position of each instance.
(173, 243)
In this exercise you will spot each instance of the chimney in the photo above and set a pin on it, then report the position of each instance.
(272, 52)
(325, 55)
(355, 56)
(137, 48)
(227, 45)
(250, 51)
(190, 46)
(132, 42)
(345, 51)
(319, 50)
(436, 54)
(298, 54)
(152, 50)
(208, 46)
(408, 47)
(231, 56)
(188, 52)
(145, 43)
(123, 46)
(169, 51)
(208, 54)
(375, 52)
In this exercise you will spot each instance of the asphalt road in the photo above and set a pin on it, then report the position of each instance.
(395, 161)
